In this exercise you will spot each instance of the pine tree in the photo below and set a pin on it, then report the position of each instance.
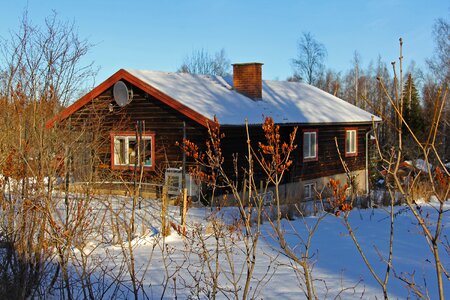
(412, 110)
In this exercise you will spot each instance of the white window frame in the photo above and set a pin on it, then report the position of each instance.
(351, 142)
(126, 138)
(309, 148)
(308, 191)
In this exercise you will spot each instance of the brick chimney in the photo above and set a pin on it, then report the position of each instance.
(247, 79)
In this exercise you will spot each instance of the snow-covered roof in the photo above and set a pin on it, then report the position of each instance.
(286, 102)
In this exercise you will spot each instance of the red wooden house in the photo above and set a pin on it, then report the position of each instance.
(174, 105)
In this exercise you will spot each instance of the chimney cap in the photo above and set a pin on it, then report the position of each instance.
(247, 63)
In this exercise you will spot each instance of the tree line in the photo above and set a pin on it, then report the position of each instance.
(362, 86)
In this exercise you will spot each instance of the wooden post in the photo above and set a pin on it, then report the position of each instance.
(164, 211)
(183, 171)
(260, 206)
(183, 217)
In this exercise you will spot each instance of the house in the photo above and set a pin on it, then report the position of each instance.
(177, 105)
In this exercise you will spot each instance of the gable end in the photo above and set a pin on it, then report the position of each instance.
(108, 83)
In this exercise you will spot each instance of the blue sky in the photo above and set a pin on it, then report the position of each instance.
(157, 35)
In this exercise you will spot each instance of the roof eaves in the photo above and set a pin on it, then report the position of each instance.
(310, 124)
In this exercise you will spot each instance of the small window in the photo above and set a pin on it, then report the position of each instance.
(126, 152)
(308, 191)
(351, 142)
(310, 145)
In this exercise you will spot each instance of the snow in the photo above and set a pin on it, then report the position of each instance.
(422, 165)
(286, 102)
(419, 164)
(336, 262)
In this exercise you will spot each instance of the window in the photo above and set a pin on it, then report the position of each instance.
(310, 145)
(351, 142)
(126, 152)
(308, 191)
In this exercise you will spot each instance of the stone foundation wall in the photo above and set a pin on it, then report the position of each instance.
(293, 193)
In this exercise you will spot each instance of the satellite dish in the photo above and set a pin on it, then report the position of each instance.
(121, 94)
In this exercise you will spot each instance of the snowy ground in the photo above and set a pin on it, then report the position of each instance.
(175, 267)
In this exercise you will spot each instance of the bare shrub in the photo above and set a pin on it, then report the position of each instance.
(429, 184)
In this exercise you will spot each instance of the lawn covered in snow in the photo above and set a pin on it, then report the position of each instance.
(182, 267)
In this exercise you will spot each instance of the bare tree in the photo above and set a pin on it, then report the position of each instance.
(431, 185)
(330, 82)
(310, 58)
(440, 63)
(46, 60)
(40, 71)
(202, 62)
(247, 196)
(356, 63)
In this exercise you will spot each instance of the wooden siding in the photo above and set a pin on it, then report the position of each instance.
(327, 164)
(165, 122)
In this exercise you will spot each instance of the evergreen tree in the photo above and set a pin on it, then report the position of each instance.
(412, 110)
